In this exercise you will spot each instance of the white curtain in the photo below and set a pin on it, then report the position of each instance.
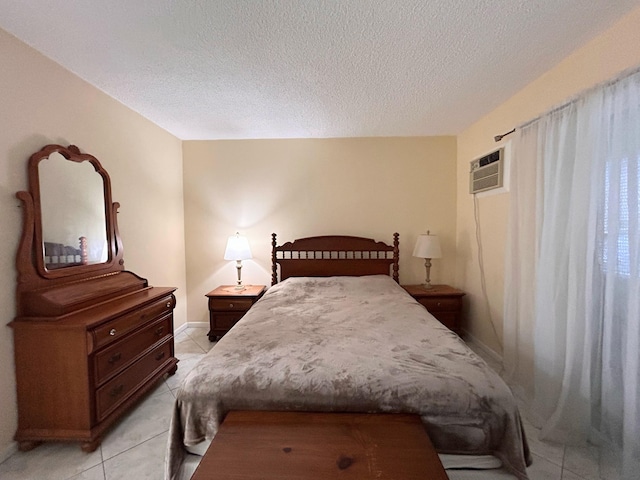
(572, 303)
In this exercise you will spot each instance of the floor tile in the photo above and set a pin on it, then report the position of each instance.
(143, 462)
(188, 345)
(610, 465)
(189, 466)
(149, 419)
(95, 473)
(584, 461)
(543, 469)
(161, 388)
(567, 475)
(199, 335)
(187, 362)
(177, 337)
(197, 331)
(53, 461)
(553, 452)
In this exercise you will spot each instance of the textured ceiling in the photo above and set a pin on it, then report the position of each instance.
(309, 68)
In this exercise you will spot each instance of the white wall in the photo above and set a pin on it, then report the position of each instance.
(42, 103)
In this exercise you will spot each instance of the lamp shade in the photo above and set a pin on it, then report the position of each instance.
(427, 246)
(237, 248)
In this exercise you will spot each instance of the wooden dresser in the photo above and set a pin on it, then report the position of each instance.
(90, 338)
(78, 370)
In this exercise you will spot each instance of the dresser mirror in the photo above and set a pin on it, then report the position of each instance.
(70, 226)
(73, 213)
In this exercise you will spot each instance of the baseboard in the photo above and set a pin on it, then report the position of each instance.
(197, 325)
(491, 353)
(180, 329)
(7, 452)
(186, 325)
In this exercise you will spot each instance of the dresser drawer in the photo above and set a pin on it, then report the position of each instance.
(118, 327)
(117, 356)
(118, 389)
(233, 304)
(441, 304)
(224, 321)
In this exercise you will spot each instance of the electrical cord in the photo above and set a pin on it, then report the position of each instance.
(483, 283)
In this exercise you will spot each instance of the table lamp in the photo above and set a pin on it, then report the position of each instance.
(238, 250)
(427, 247)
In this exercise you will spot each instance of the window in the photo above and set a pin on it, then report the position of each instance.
(621, 207)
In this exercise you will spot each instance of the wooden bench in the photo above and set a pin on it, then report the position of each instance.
(320, 446)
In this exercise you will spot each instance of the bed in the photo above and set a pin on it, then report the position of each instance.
(338, 334)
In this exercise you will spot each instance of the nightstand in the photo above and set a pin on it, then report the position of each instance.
(442, 301)
(228, 305)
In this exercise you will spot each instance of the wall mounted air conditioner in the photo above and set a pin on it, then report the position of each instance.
(489, 172)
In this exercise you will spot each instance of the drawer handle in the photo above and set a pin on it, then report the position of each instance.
(159, 331)
(112, 332)
(160, 356)
(439, 303)
(115, 358)
(231, 305)
(168, 304)
(115, 391)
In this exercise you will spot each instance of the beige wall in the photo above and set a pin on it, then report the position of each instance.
(601, 59)
(42, 103)
(296, 188)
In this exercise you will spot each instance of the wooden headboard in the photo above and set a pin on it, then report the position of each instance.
(334, 255)
(58, 255)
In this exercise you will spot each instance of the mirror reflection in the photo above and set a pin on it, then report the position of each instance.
(73, 213)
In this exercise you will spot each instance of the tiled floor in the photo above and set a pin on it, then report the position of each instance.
(135, 448)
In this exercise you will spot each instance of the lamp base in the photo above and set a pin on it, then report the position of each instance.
(239, 287)
(427, 283)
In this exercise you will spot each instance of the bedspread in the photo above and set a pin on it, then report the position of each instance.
(350, 344)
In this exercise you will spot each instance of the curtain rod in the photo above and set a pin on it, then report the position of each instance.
(497, 138)
(626, 73)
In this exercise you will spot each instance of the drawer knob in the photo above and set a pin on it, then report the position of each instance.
(168, 304)
(160, 356)
(114, 358)
(231, 305)
(439, 303)
(112, 332)
(159, 331)
(115, 391)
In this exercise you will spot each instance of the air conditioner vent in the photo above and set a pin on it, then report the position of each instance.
(487, 172)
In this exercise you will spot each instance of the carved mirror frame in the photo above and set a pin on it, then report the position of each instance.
(30, 262)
